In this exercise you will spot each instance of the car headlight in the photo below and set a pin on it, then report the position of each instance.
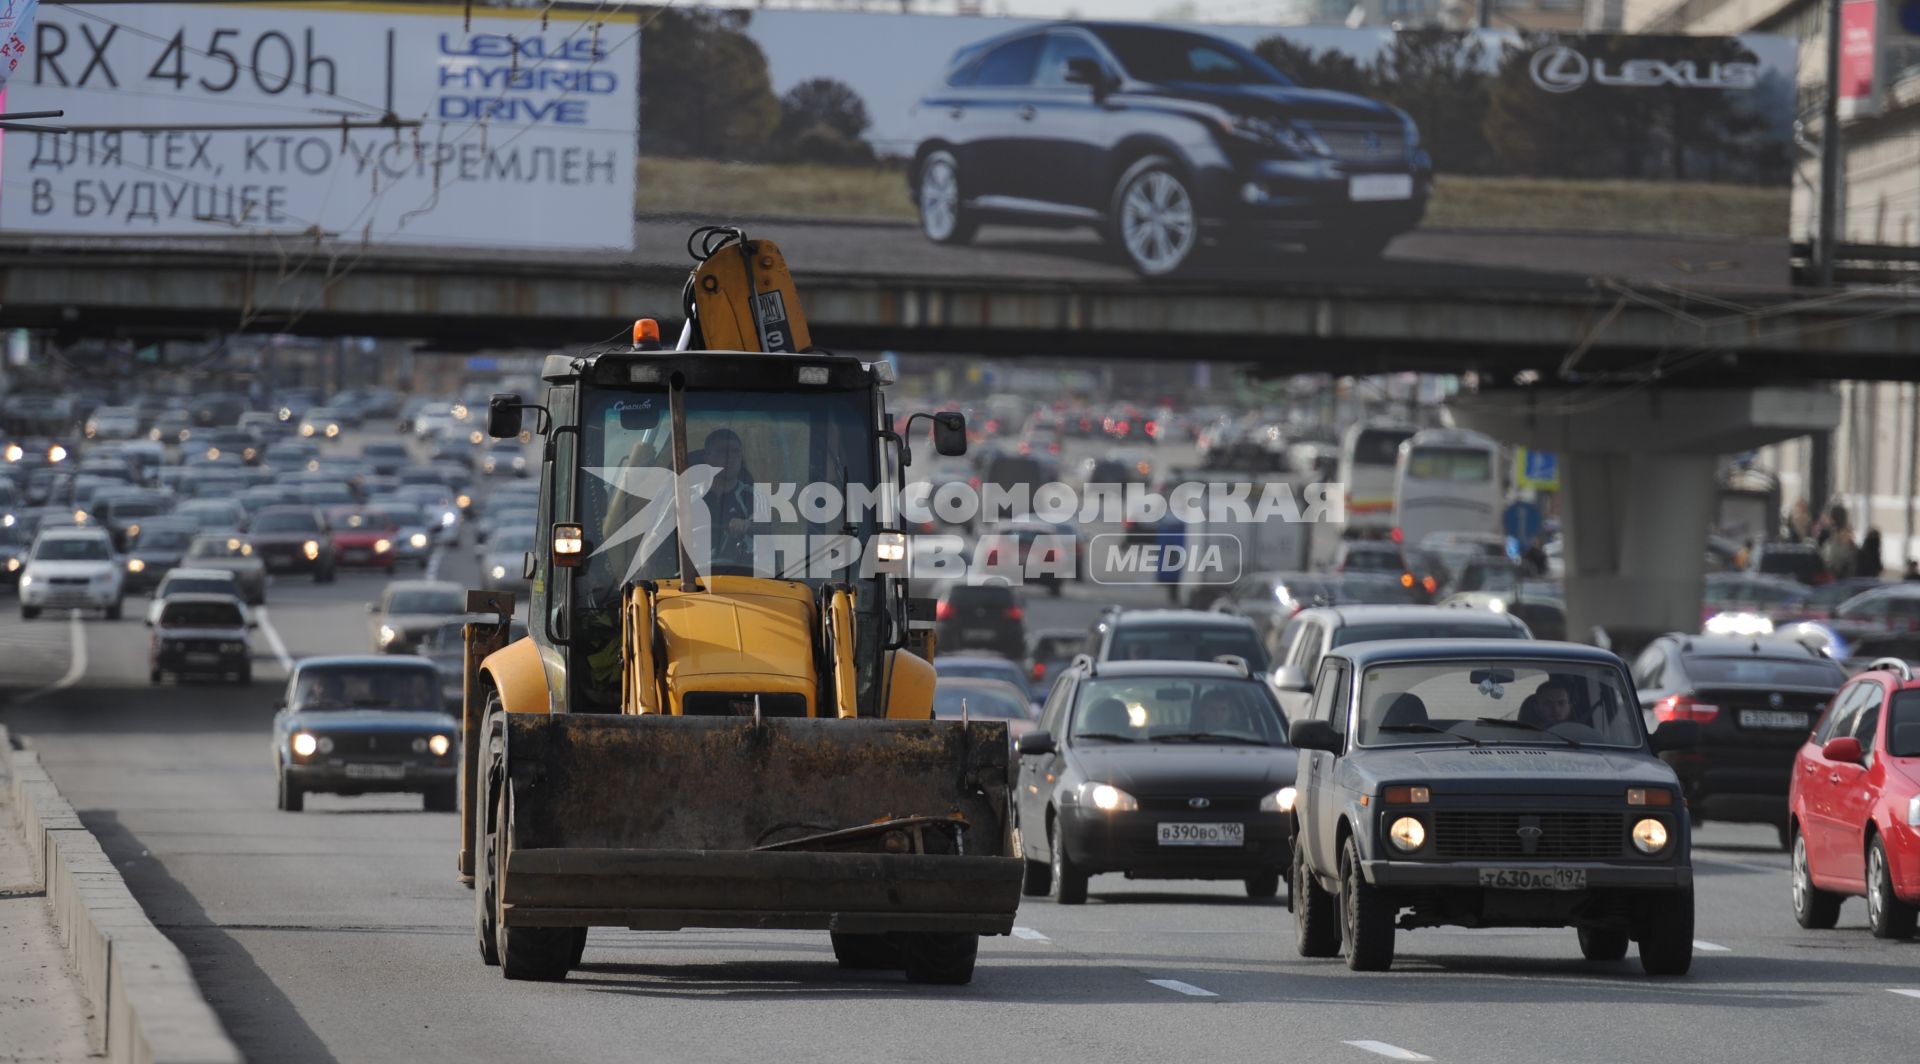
(439, 744)
(305, 745)
(332, 431)
(135, 565)
(476, 438)
(381, 546)
(464, 501)
(1650, 836)
(286, 414)
(13, 566)
(487, 465)
(306, 430)
(387, 635)
(311, 548)
(447, 519)
(419, 540)
(1279, 132)
(1108, 799)
(499, 572)
(519, 462)
(15, 452)
(26, 579)
(1280, 801)
(56, 453)
(1407, 834)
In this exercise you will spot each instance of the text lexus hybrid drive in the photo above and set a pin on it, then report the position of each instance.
(1164, 141)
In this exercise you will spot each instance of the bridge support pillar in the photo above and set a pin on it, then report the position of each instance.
(1637, 487)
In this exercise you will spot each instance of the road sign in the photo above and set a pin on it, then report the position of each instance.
(1539, 470)
(1521, 521)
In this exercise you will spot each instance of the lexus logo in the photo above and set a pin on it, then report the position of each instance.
(1197, 803)
(1558, 68)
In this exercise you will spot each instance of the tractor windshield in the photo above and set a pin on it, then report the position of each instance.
(766, 476)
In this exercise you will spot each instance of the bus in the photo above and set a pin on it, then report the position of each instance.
(1446, 480)
(1368, 451)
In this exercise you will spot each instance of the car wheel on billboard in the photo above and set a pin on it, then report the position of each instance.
(1154, 222)
(942, 217)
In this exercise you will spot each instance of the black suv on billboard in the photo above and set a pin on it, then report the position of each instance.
(1159, 138)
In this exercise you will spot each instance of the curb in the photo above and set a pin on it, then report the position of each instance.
(146, 1007)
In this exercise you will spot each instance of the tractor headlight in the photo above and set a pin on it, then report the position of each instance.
(1408, 834)
(1650, 836)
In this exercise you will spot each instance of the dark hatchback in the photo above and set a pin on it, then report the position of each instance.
(1159, 138)
(981, 617)
(1487, 783)
(294, 539)
(1158, 770)
(1755, 702)
(201, 635)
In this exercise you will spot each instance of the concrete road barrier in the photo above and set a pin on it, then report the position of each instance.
(146, 1008)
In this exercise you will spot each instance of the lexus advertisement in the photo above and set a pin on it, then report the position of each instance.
(1107, 150)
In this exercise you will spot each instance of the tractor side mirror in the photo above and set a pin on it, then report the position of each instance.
(503, 417)
(950, 433)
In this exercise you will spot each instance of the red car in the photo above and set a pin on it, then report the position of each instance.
(364, 538)
(1855, 805)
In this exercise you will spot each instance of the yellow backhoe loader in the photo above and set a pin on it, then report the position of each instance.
(719, 717)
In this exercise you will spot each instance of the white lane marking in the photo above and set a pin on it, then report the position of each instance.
(1388, 1050)
(76, 660)
(1030, 934)
(273, 638)
(1701, 944)
(1903, 992)
(1179, 987)
(432, 571)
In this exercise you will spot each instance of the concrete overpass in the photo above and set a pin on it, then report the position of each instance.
(459, 300)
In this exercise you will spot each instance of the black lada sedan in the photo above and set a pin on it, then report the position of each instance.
(1157, 770)
(1483, 783)
(1159, 139)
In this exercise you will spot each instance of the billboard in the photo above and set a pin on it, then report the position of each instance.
(1004, 147)
(511, 129)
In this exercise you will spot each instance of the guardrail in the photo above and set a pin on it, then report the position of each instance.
(145, 1006)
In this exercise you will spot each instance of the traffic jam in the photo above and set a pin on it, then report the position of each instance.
(1318, 726)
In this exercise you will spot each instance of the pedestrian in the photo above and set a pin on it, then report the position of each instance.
(1535, 558)
(1800, 522)
(1837, 553)
(1743, 556)
(1868, 562)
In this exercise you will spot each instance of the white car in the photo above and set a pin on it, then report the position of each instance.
(195, 582)
(72, 568)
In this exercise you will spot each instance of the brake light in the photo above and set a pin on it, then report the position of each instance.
(1681, 707)
(1053, 448)
(1430, 584)
(993, 424)
(1153, 428)
(1397, 535)
(1014, 613)
(943, 611)
(1406, 579)
(1039, 670)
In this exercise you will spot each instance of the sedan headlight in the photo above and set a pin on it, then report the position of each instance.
(135, 565)
(1650, 836)
(26, 579)
(464, 502)
(13, 566)
(439, 745)
(419, 540)
(311, 548)
(447, 519)
(305, 745)
(388, 635)
(382, 546)
(1107, 798)
(499, 572)
(1407, 834)
(1280, 801)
